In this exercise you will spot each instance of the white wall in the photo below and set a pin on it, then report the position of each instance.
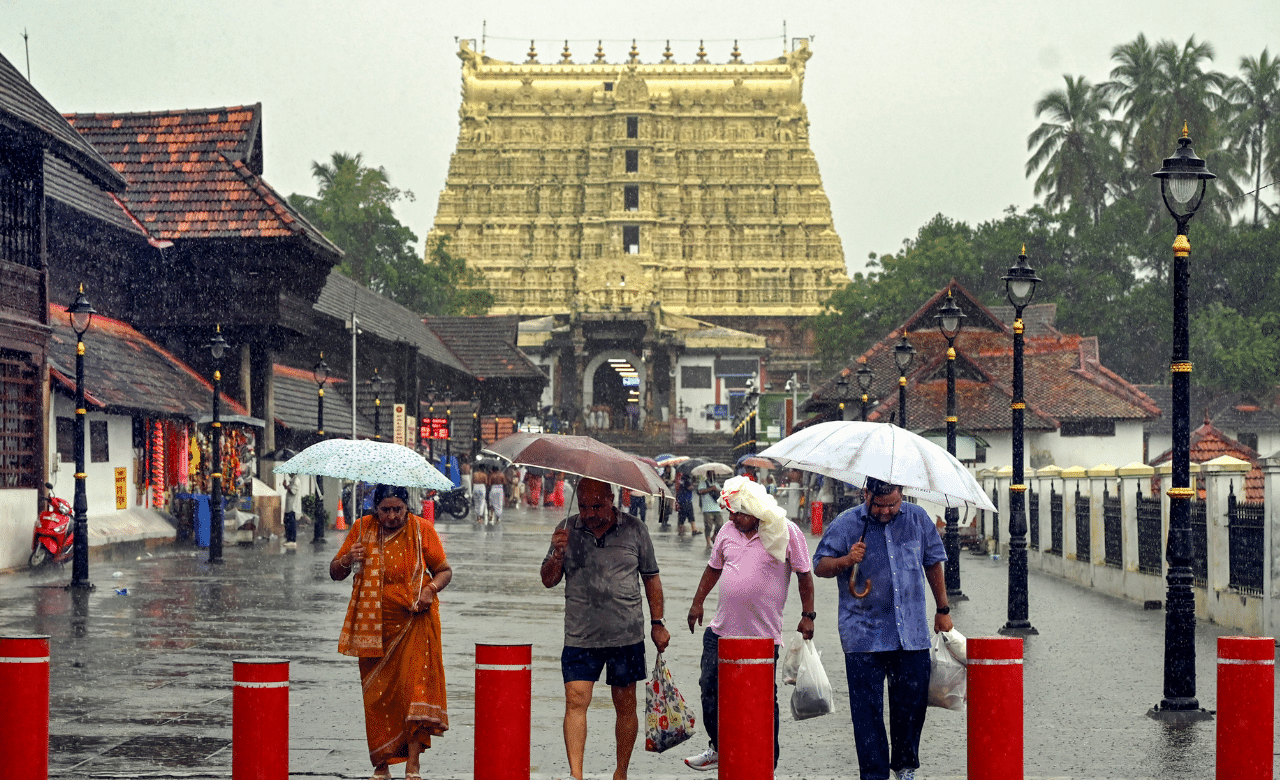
(18, 512)
(1125, 447)
(548, 365)
(695, 400)
(100, 478)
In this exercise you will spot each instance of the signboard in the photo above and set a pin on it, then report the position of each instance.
(679, 432)
(411, 432)
(122, 488)
(720, 411)
(631, 381)
(397, 426)
(434, 428)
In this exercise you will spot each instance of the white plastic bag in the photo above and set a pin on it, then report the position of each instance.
(791, 659)
(947, 675)
(812, 696)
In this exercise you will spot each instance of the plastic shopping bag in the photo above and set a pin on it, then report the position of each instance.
(812, 696)
(947, 675)
(667, 721)
(791, 659)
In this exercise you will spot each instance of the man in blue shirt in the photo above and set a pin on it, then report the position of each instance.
(883, 627)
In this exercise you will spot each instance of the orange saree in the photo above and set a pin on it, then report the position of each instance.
(401, 663)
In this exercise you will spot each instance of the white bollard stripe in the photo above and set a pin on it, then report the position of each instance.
(244, 684)
(504, 667)
(1246, 662)
(24, 660)
(994, 662)
(746, 660)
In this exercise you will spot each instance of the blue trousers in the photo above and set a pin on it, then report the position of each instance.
(709, 682)
(908, 675)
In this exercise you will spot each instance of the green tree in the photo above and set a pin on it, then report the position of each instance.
(354, 210)
(449, 287)
(1255, 98)
(1233, 352)
(1073, 150)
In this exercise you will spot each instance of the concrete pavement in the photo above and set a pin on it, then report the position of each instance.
(141, 682)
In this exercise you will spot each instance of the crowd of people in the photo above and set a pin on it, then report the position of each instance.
(605, 558)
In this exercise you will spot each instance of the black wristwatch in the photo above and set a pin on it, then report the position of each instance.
(810, 615)
(944, 610)
(658, 622)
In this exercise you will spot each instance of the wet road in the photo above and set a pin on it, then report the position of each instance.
(141, 682)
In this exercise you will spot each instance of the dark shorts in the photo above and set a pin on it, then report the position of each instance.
(623, 665)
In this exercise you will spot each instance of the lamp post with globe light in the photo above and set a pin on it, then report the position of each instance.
(81, 314)
(217, 348)
(903, 355)
(376, 382)
(321, 374)
(1184, 176)
(1020, 287)
(950, 319)
(865, 377)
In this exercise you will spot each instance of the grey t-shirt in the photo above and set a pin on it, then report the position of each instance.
(602, 587)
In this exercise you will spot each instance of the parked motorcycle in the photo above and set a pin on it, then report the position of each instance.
(54, 533)
(455, 502)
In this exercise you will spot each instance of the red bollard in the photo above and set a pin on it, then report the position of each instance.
(429, 511)
(745, 741)
(1246, 710)
(815, 518)
(995, 708)
(504, 714)
(24, 700)
(558, 495)
(260, 719)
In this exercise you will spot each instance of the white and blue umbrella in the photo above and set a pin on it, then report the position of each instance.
(366, 461)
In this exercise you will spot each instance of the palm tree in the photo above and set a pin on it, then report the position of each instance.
(1073, 150)
(1255, 99)
(1134, 89)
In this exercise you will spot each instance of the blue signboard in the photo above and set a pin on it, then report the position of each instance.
(721, 411)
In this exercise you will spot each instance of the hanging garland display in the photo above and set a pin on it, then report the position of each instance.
(157, 465)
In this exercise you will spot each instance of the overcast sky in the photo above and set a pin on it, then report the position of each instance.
(916, 108)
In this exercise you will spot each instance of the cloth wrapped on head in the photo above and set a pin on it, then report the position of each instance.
(740, 494)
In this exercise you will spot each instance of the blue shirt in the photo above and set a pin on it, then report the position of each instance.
(892, 616)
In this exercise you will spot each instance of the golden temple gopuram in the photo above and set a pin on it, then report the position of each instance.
(589, 188)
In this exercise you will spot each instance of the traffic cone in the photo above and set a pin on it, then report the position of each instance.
(341, 523)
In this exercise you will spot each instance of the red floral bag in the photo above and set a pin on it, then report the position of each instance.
(668, 721)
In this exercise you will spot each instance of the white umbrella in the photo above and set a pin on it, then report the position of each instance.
(852, 451)
(367, 461)
(711, 468)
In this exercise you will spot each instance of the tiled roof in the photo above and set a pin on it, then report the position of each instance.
(196, 173)
(1207, 443)
(1063, 378)
(25, 111)
(126, 371)
(297, 400)
(1227, 411)
(486, 345)
(383, 317)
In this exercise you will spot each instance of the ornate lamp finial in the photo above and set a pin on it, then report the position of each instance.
(667, 56)
(565, 57)
(635, 53)
(736, 55)
(599, 52)
(702, 53)
(533, 55)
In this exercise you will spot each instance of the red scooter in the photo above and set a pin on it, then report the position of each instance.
(54, 533)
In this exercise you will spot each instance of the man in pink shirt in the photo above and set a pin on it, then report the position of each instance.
(752, 560)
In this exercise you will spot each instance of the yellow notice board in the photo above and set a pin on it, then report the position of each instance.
(122, 488)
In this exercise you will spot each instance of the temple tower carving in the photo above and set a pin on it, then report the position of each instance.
(616, 186)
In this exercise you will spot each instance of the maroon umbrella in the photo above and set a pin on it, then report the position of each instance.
(583, 456)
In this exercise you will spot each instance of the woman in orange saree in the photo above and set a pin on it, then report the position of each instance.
(393, 626)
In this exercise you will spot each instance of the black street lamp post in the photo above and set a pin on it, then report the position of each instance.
(217, 348)
(903, 355)
(865, 377)
(321, 374)
(81, 314)
(1181, 176)
(376, 381)
(950, 319)
(842, 387)
(1020, 288)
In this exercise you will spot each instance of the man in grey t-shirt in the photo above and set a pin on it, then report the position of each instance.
(604, 556)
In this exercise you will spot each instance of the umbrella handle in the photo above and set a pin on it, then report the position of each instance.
(853, 580)
(853, 584)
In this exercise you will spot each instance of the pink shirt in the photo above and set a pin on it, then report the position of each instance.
(753, 584)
